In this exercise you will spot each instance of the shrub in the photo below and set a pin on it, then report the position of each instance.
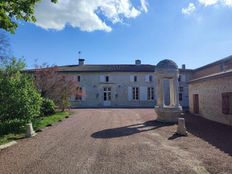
(19, 98)
(47, 108)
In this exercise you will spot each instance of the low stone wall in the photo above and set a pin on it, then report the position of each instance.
(210, 97)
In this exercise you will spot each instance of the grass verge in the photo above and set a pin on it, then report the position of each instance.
(43, 122)
(38, 123)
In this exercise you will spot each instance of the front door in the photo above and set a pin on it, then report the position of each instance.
(107, 96)
(196, 103)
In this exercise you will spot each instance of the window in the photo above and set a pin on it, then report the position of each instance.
(78, 93)
(135, 92)
(181, 89)
(180, 97)
(150, 78)
(135, 78)
(106, 78)
(227, 103)
(107, 94)
(150, 93)
(78, 78)
(179, 79)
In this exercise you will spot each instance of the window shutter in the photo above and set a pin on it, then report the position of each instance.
(129, 93)
(183, 78)
(147, 78)
(83, 93)
(143, 93)
(102, 78)
(225, 103)
(131, 78)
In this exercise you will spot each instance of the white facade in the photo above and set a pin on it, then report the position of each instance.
(115, 89)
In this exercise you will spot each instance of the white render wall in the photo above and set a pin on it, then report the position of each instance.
(120, 83)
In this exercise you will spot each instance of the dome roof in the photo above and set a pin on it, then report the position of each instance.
(167, 64)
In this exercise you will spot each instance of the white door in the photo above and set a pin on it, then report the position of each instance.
(107, 96)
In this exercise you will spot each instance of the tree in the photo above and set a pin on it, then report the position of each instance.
(55, 85)
(19, 98)
(4, 46)
(12, 10)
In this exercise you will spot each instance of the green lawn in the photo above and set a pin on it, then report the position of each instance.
(41, 123)
(38, 124)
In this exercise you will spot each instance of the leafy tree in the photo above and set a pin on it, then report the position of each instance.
(55, 85)
(12, 10)
(19, 97)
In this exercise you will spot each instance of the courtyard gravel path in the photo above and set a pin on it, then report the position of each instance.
(106, 141)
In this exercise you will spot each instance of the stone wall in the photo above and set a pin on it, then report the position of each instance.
(210, 97)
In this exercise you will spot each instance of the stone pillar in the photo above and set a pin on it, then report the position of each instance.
(29, 130)
(177, 92)
(159, 92)
(181, 129)
(167, 69)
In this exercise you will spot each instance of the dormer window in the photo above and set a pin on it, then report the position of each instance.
(106, 78)
(78, 78)
(135, 78)
(150, 78)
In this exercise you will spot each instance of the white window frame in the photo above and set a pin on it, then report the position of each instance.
(150, 93)
(135, 93)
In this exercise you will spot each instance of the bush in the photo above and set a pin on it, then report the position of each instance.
(19, 98)
(47, 108)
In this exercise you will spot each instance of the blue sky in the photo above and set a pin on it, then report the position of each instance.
(194, 34)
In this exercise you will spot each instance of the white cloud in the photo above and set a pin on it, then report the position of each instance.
(144, 5)
(189, 10)
(208, 2)
(88, 15)
(228, 2)
(214, 2)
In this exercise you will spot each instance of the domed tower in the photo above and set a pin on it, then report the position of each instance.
(167, 74)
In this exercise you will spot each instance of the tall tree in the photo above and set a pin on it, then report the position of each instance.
(55, 85)
(12, 10)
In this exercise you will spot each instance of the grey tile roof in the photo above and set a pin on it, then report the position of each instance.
(107, 68)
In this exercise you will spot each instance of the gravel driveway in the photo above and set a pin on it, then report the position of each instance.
(108, 141)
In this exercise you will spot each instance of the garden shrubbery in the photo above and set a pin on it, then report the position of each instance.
(20, 100)
(48, 107)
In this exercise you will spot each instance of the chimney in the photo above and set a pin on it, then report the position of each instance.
(137, 62)
(183, 66)
(81, 61)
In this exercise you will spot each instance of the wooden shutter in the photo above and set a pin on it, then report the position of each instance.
(183, 78)
(83, 93)
(225, 103)
(143, 93)
(147, 78)
(129, 93)
(102, 78)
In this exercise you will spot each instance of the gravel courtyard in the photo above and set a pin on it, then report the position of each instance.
(126, 141)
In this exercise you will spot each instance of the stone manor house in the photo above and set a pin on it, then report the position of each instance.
(120, 85)
(205, 91)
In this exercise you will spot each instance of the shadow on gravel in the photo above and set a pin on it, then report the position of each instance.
(129, 130)
(216, 134)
